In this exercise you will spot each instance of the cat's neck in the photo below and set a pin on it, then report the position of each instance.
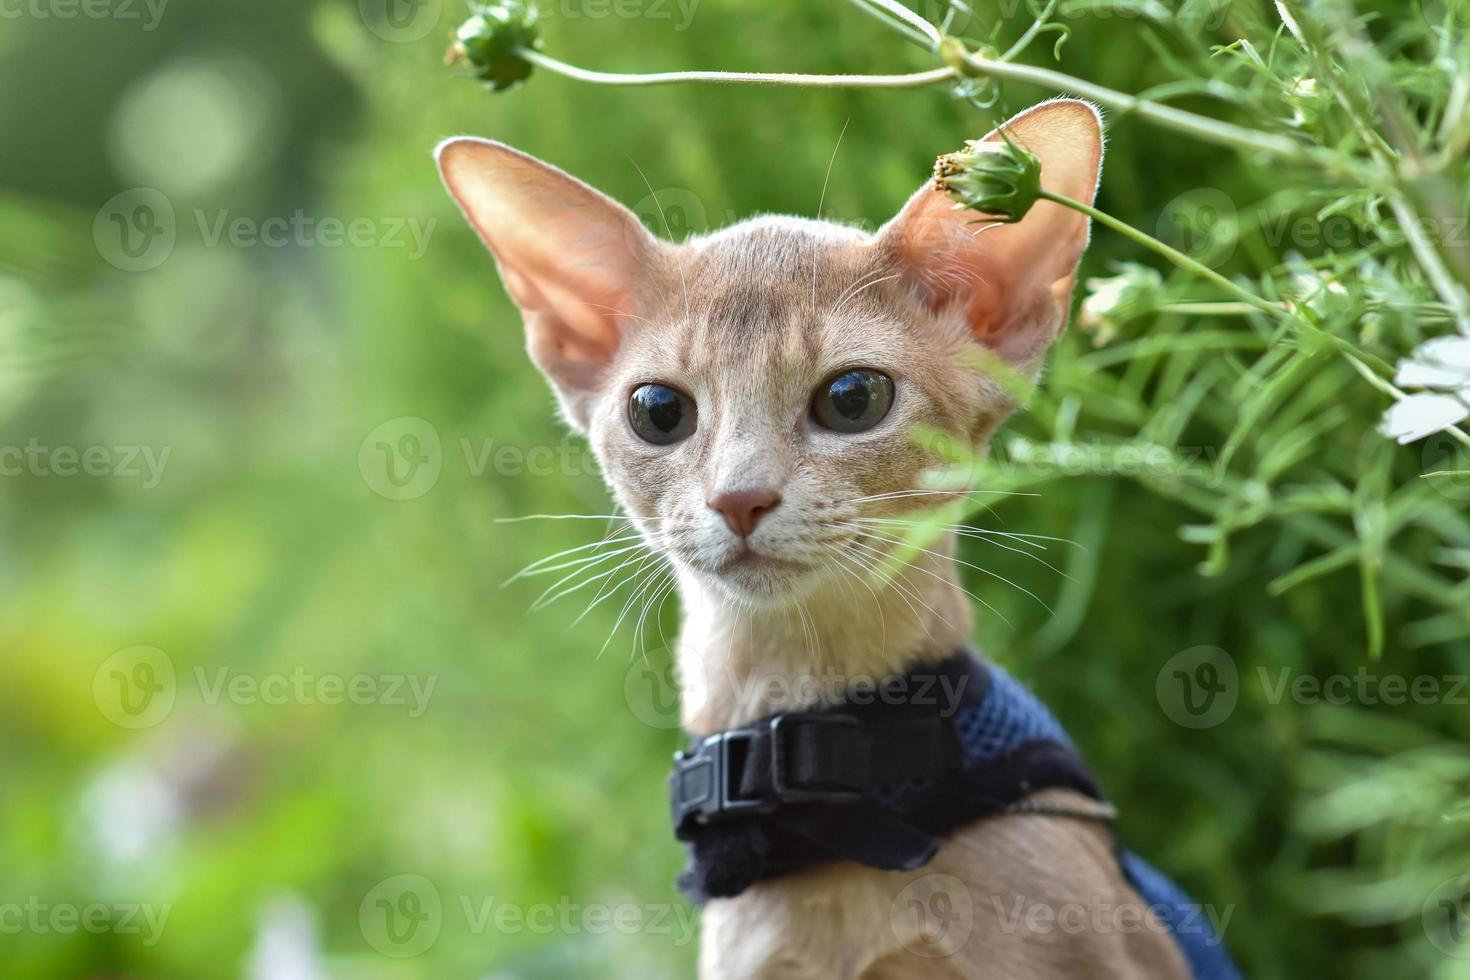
(738, 663)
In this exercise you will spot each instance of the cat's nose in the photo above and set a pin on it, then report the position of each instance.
(743, 509)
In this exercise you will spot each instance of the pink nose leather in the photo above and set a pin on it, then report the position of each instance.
(743, 509)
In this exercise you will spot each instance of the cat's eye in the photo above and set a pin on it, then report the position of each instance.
(854, 401)
(660, 414)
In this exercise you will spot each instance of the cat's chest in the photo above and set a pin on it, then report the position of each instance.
(971, 912)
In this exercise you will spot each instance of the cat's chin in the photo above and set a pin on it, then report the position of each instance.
(763, 581)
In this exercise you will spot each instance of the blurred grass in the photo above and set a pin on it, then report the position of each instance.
(536, 773)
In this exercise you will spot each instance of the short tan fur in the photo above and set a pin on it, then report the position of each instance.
(748, 323)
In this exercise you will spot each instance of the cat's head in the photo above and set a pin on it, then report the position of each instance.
(751, 392)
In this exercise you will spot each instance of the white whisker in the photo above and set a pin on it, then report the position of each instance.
(884, 556)
(542, 600)
(903, 494)
(546, 598)
(539, 566)
(683, 283)
(573, 517)
(609, 588)
(853, 294)
(841, 563)
(638, 637)
(872, 566)
(650, 578)
(957, 561)
(822, 200)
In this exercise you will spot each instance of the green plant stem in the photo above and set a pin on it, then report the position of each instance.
(907, 32)
(910, 80)
(897, 13)
(961, 63)
(1172, 254)
(972, 65)
(1206, 308)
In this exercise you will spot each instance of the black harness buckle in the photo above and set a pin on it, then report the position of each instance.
(705, 785)
(781, 771)
(700, 788)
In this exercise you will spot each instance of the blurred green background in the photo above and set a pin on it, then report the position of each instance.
(256, 662)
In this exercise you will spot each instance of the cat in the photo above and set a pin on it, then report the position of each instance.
(751, 395)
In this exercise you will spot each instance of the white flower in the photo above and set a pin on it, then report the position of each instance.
(1442, 365)
(1114, 300)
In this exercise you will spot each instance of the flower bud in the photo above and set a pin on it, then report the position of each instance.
(491, 41)
(998, 179)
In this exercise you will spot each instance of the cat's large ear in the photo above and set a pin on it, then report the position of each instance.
(573, 259)
(1012, 281)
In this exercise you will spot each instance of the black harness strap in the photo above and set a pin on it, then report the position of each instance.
(876, 779)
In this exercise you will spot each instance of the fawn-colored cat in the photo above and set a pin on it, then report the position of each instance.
(752, 395)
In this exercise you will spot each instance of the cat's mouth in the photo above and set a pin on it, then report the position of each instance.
(759, 576)
(747, 559)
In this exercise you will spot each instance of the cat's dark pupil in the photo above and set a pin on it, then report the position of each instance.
(850, 395)
(663, 407)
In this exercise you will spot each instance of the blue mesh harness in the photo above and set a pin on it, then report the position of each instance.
(881, 778)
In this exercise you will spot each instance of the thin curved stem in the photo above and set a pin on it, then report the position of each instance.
(904, 15)
(911, 80)
(1172, 254)
(906, 31)
(1214, 130)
